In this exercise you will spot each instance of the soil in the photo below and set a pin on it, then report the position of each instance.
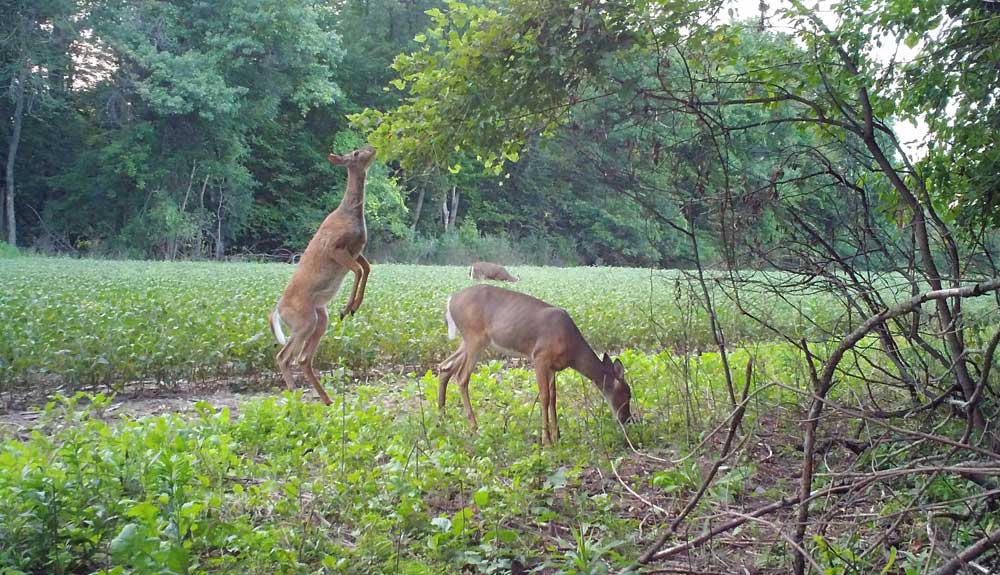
(21, 409)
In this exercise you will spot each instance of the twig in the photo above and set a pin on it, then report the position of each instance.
(634, 494)
(783, 536)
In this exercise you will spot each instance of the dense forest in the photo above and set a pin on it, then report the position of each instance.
(184, 129)
(200, 129)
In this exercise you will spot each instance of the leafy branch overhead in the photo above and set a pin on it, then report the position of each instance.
(483, 81)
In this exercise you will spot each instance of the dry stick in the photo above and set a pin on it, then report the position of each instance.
(681, 571)
(821, 387)
(716, 326)
(634, 494)
(733, 426)
(782, 534)
(972, 402)
(881, 423)
(969, 554)
(823, 381)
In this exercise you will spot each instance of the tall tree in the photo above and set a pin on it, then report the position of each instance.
(34, 41)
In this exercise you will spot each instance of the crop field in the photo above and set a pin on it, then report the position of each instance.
(106, 323)
(379, 482)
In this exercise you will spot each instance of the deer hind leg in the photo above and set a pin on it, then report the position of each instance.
(466, 363)
(284, 364)
(309, 352)
(464, 375)
(445, 370)
(302, 328)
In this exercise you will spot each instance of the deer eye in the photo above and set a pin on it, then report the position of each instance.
(355, 154)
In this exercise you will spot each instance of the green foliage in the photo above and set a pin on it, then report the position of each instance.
(502, 69)
(463, 248)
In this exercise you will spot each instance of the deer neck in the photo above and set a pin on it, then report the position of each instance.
(591, 366)
(354, 197)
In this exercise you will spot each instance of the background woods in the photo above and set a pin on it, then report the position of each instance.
(166, 129)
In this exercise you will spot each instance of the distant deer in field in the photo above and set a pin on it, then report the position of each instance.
(332, 252)
(515, 322)
(490, 271)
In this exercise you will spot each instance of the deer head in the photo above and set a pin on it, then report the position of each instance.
(616, 390)
(358, 159)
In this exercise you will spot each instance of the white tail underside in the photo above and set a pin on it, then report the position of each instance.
(276, 328)
(452, 328)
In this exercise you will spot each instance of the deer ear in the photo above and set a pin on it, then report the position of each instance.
(606, 360)
(619, 369)
(336, 160)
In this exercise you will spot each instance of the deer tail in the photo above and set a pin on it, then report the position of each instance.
(276, 328)
(452, 328)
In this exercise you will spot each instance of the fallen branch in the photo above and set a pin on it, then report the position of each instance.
(969, 554)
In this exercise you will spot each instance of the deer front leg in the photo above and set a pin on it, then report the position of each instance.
(344, 259)
(366, 269)
(553, 420)
(309, 352)
(542, 376)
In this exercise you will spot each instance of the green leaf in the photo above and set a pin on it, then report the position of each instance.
(892, 561)
(442, 523)
(121, 546)
(144, 511)
(481, 498)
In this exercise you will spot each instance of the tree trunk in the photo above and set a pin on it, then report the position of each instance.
(444, 211)
(454, 206)
(219, 247)
(175, 241)
(416, 211)
(15, 139)
(201, 223)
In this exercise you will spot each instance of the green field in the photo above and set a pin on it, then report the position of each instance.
(109, 323)
(377, 482)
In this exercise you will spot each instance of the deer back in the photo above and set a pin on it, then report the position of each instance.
(491, 271)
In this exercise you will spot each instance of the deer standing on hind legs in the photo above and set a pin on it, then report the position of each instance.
(332, 252)
(515, 322)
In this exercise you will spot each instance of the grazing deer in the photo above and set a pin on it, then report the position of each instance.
(490, 271)
(332, 252)
(515, 322)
